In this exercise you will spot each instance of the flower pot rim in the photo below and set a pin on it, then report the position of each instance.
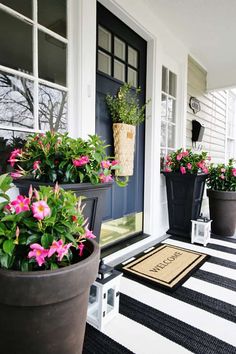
(184, 175)
(46, 273)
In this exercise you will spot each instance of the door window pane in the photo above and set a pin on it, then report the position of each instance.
(104, 38)
(104, 63)
(163, 106)
(172, 84)
(52, 109)
(132, 77)
(171, 136)
(132, 57)
(16, 101)
(52, 59)
(15, 43)
(164, 79)
(52, 14)
(163, 134)
(119, 70)
(119, 48)
(22, 6)
(171, 109)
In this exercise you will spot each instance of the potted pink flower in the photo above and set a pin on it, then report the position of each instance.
(76, 164)
(185, 173)
(221, 184)
(48, 261)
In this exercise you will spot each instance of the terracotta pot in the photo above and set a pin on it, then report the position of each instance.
(222, 207)
(44, 312)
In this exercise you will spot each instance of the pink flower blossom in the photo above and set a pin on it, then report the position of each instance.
(54, 247)
(185, 153)
(16, 174)
(36, 165)
(167, 169)
(222, 176)
(201, 164)
(40, 210)
(205, 170)
(81, 248)
(182, 170)
(39, 253)
(20, 204)
(234, 172)
(59, 248)
(179, 157)
(168, 158)
(15, 153)
(89, 234)
(106, 164)
(222, 170)
(104, 179)
(63, 251)
(83, 160)
(189, 166)
(115, 162)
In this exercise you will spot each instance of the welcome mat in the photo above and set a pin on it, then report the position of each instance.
(167, 266)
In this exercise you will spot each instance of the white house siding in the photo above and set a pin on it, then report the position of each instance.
(212, 115)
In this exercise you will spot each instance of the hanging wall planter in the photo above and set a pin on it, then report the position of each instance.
(124, 145)
(126, 114)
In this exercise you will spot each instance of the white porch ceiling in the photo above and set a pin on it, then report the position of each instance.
(207, 28)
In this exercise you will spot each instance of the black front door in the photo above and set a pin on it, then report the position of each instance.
(121, 57)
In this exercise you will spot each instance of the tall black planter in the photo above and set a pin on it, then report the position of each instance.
(222, 205)
(184, 196)
(44, 312)
(95, 197)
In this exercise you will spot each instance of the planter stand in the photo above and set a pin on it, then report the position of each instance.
(95, 197)
(184, 196)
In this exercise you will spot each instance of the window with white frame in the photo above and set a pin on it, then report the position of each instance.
(33, 69)
(168, 111)
(231, 125)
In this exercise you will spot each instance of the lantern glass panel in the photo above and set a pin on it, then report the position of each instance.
(110, 299)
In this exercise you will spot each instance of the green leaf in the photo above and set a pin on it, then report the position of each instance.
(5, 182)
(53, 266)
(46, 240)
(32, 239)
(70, 238)
(24, 265)
(5, 196)
(8, 246)
(5, 261)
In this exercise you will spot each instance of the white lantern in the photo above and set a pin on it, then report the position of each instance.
(201, 231)
(104, 297)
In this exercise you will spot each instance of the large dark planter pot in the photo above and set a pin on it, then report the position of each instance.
(184, 196)
(95, 197)
(222, 207)
(44, 312)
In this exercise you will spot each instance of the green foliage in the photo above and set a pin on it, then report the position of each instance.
(21, 228)
(185, 161)
(52, 157)
(222, 177)
(125, 106)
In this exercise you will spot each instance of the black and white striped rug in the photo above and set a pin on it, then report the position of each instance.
(199, 317)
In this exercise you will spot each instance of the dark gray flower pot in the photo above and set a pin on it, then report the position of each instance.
(44, 312)
(95, 198)
(184, 197)
(222, 207)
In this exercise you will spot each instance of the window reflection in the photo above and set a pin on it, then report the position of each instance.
(22, 6)
(16, 101)
(52, 109)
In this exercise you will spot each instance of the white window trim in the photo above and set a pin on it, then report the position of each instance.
(34, 77)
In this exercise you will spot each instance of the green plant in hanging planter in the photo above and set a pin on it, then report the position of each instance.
(125, 106)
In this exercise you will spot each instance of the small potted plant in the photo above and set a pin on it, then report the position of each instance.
(76, 164)
(185, 173)
(221, 192)
(126, 114)
(48, 261)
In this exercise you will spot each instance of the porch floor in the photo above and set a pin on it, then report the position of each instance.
(198, 317)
